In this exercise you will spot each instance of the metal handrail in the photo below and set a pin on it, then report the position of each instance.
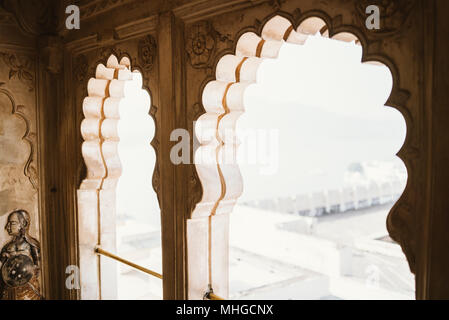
(212, 296)
(98, 250)
(208, 296)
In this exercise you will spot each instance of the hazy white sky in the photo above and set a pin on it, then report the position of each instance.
(317, 107)
(328, 111)
(135, 194)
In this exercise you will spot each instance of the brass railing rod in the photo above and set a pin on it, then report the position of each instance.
(98, 250)
(212, 296)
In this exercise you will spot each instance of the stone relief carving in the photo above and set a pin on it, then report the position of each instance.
(21, 68)
(20, 260)
(394, 14)
(147, 48)
(201, 42)
(30, 170)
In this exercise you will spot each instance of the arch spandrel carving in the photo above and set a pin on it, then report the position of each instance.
(238, 66)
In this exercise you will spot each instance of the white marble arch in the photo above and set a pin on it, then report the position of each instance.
(110, 94)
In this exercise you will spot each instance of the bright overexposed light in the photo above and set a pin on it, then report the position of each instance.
(320, 174)
(327, 110)
(135, 194)
(138, 213)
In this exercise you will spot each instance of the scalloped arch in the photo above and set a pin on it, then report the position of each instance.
(29, 170)
(222, 100)
(109, 95)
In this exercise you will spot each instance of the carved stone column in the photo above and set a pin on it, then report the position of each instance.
(53, 136)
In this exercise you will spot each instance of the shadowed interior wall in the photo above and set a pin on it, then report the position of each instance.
(177, 45)
(19, 180)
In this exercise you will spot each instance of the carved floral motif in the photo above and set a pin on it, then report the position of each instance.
(20, 260)
(21, 68)
(200, 44)
(147, 52)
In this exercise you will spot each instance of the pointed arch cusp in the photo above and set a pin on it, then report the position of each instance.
(114, 91)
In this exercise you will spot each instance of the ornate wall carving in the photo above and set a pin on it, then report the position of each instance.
(201, 39)
(20, 257)
(21, 67)
(29, 167)
(18, 178)
(19, 159)
(147, 52)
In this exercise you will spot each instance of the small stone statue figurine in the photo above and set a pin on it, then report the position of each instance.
(19, 261)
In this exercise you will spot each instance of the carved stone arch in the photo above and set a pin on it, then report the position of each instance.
(29, 169)
(82, 71)
(222, 101)
(107, 100)
(134, 62)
